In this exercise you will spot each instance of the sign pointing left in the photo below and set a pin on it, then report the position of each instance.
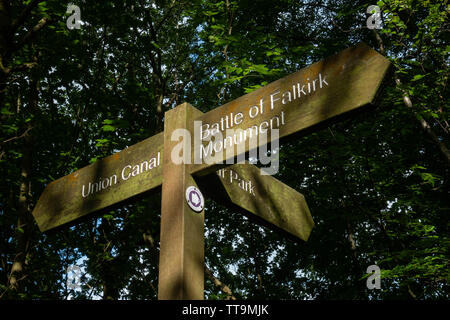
(125, 174)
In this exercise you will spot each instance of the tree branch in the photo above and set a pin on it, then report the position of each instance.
(424, 124)
(24, 15)
(30, 34)
(17, 137)
(408, 103)
(225, 289)
(22, 67)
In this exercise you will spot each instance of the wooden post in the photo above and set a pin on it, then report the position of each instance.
(181, 263)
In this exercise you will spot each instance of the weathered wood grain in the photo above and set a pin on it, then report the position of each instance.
(262, 197)
(181, 261)
(62, 200)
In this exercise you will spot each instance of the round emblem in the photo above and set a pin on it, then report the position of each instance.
(195, 199)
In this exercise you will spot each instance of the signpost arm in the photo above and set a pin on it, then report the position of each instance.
(181, 273)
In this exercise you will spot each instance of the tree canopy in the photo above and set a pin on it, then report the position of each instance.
(377, 183)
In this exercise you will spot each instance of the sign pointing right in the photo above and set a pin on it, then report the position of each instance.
(260, 197)
(341, 83)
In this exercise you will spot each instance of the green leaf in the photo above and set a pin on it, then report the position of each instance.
(102, 142)
(6, 112)
(261, 68)
(108, 216)
(108, 128)
(210, 13)
(418, 77)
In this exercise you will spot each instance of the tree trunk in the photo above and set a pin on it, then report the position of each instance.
(107, 266)
(24, 218)
(5, 27)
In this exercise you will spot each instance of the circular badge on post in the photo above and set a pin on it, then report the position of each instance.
(195, 199)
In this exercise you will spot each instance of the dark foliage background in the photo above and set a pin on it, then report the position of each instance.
(376, 183)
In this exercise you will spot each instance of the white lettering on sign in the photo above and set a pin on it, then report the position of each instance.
(275, 98)
(127, 172)
(298, 90)
(232, 177)
(236, 137)
(210, 144)
(102, 184)
(224, 123)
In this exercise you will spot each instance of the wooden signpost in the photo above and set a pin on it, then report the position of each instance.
(344, 82)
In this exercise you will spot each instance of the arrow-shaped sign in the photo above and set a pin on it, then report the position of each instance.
(322, 91)
(125, 174)
(263, 198)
